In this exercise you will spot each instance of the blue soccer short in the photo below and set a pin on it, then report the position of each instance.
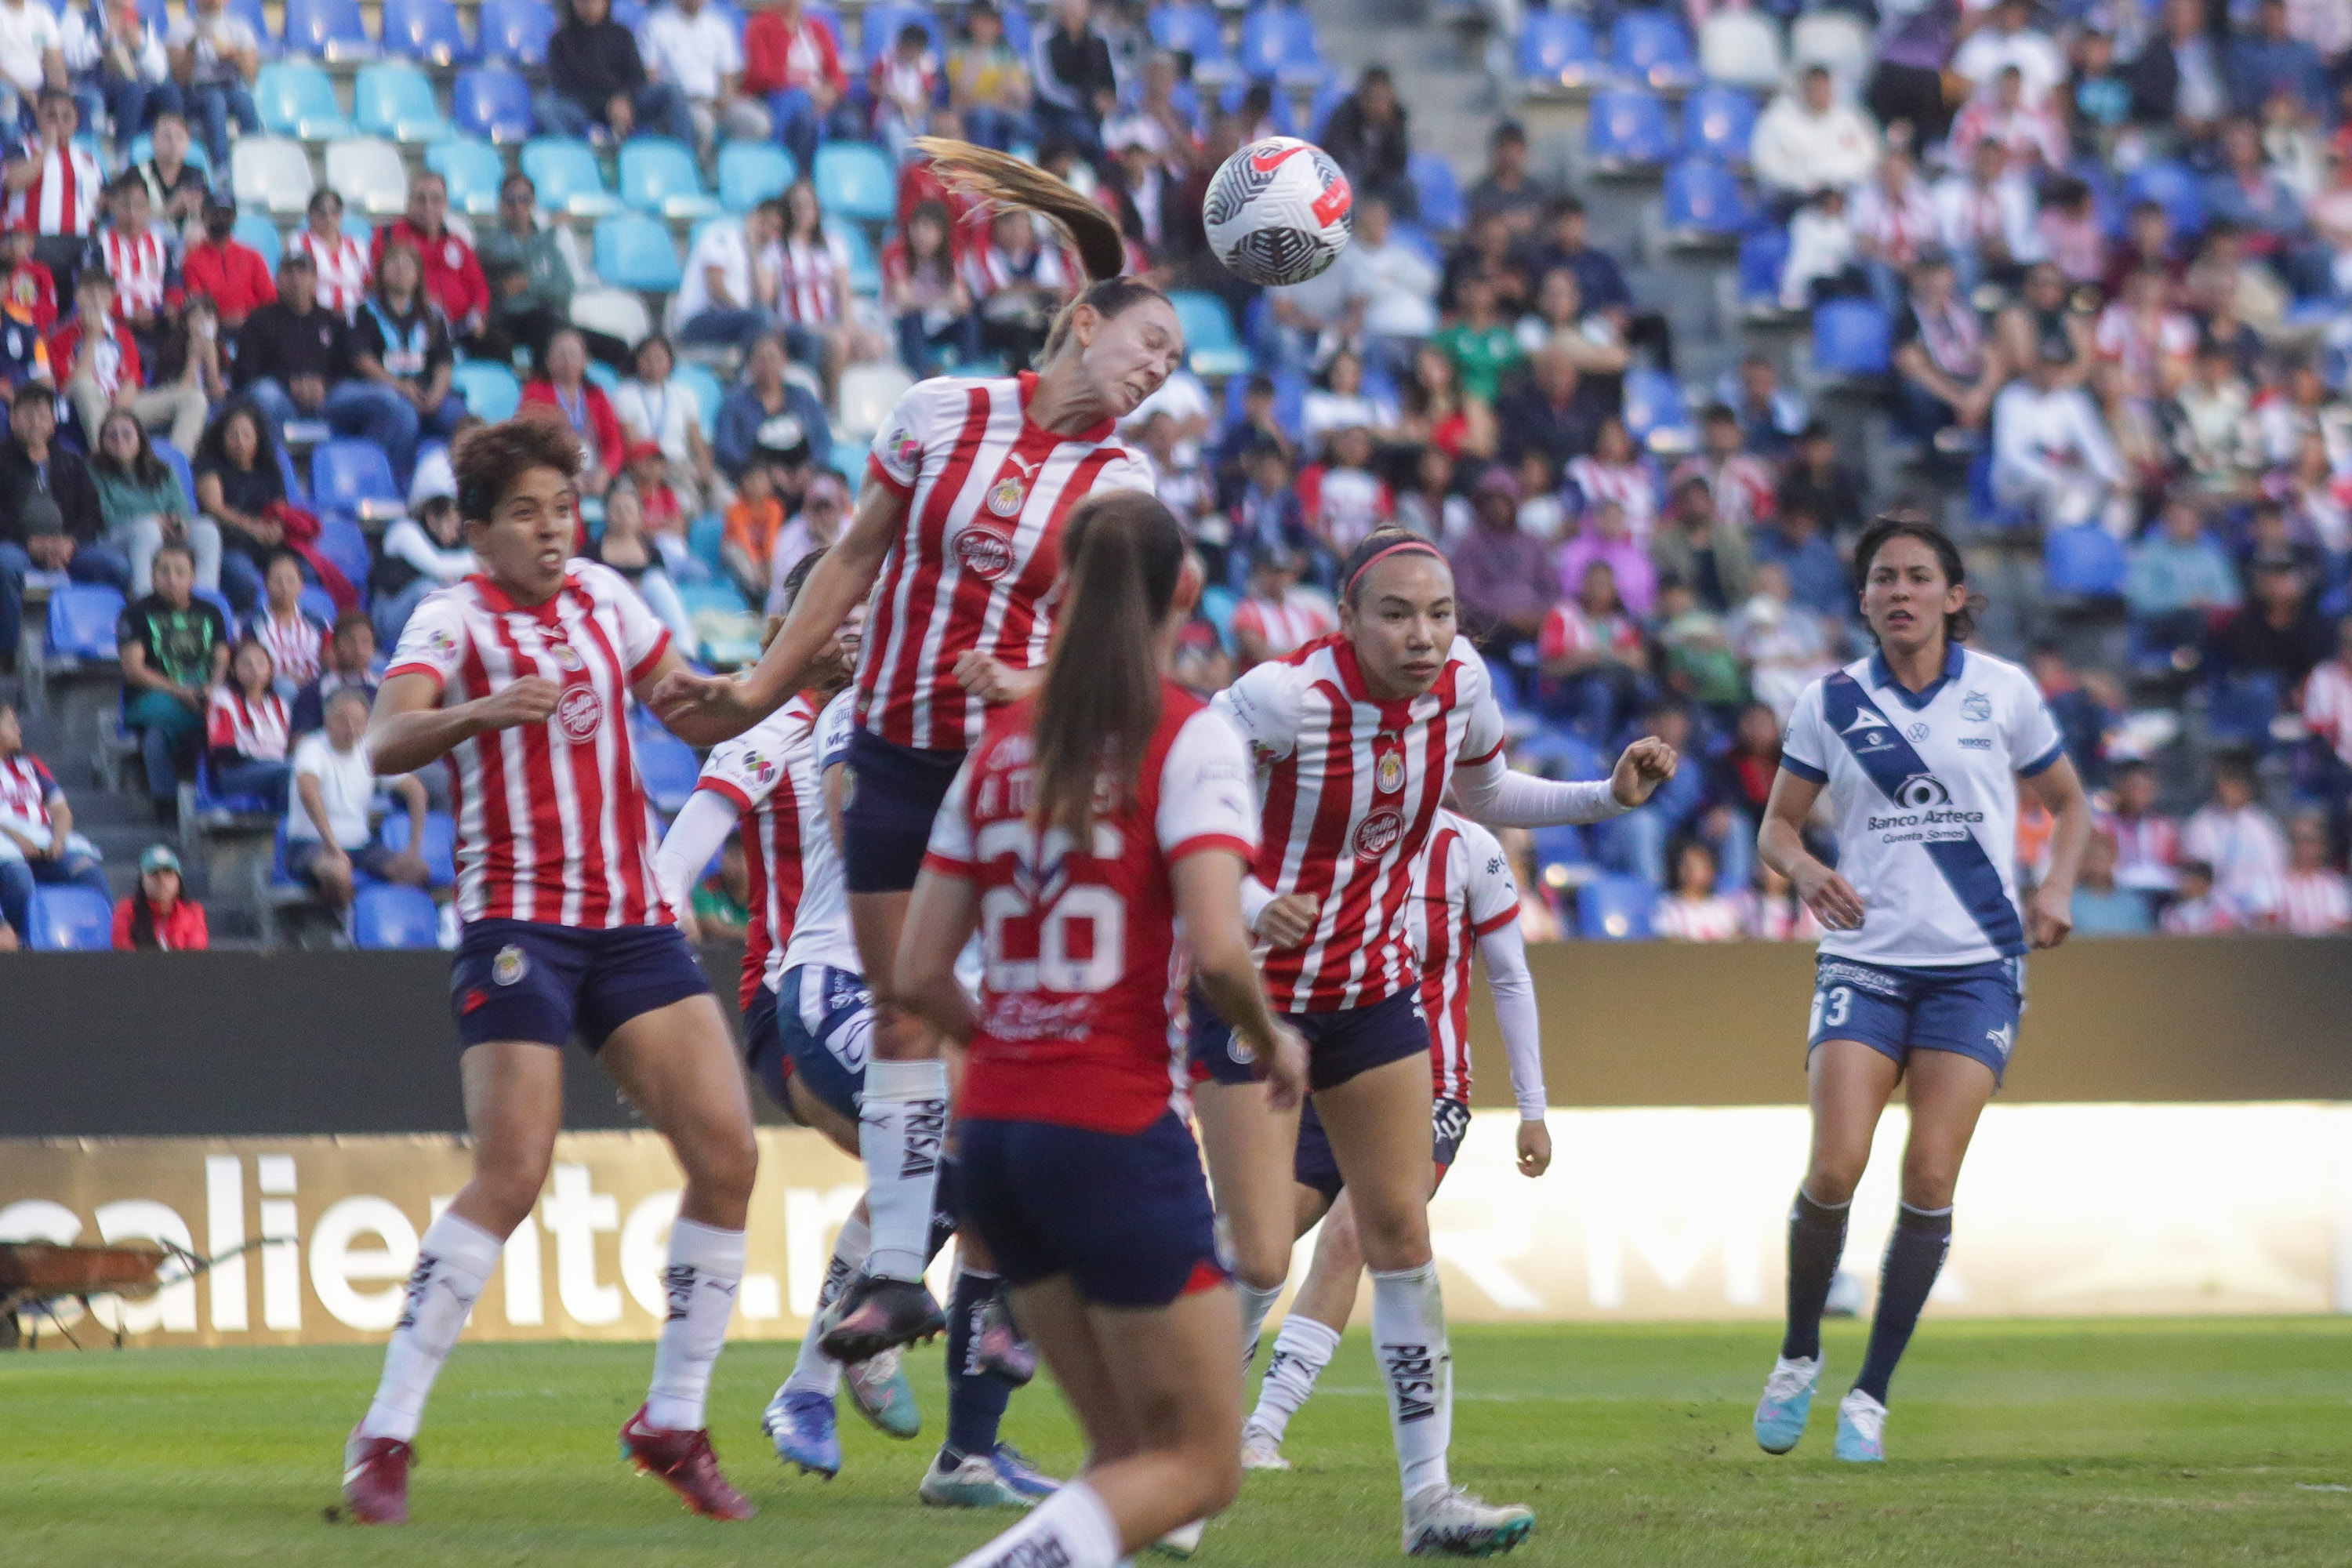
(825, 1022)
(1125, 1215)
(1340, 1045)
(1314, 1166)
(526, 980)
(889, 795)
(1970, 1009)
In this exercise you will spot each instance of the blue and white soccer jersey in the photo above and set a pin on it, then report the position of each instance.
(825, 1015)
(1922, 790)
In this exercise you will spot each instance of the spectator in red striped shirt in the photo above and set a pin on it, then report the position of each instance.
(37, 842)
(2235, 837)
(2198, 911)
(98, 360)
(295, 639)
(245, 731)
(2314, 898)
(1278, 617)
(2147, 841)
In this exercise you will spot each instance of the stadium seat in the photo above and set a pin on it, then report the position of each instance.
(706, 541)
(489, 388)
(865, 266)
(260, 231)
(177, 461)
(1558, 753)
(752, 171)
(1850, 338)
(395, 99)
(1651, 46)
(473, 171)
(250, 12)
(346, 476)
(328, 30)
(878, 24)
(1835, 38)
(2085, 561)
(1278, 41)
(569, 179)
(604, 376)
(633, 251)
(1657, 413)
(83, 617)
(868, 392)
(440, 849)
(391, 917)
(340, 542)
(1217, 606)
(1210, 341)
(269, 174)
(1563, 859)
(1557, 52)
(1704, 204)
(1197, 31)
(142, 148)
(2172, 186)
(1718, 122)
(426, 30)
(1442, 206)
(1763, 256)
(855, 179)
(295, 98)
(658, 175)
(493, 102)
(1328, 96)
(666, 764)
(517, 30)
(1740, 48)
(1279, 111)
(615, 312)
(371, 173)
(1627, 130)
(70, 919)
(1611, 908)
(708, 391)
(318, 603)
(633, 15)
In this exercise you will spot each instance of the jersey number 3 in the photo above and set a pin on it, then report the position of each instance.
(1829, 1009)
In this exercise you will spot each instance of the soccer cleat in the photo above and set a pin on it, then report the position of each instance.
(800, 1422)
(877, 1315)
(1862, 1429)
(1446, 1521)
(1262, 1451)
(972, 1481)
(997, 1347)
(375, 1479)
(1182, 1542)
(880, 1392)
(683, 1460)
(1788, 1400)
(1015, 1470)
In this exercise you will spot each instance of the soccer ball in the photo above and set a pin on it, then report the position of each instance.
(1278, 211)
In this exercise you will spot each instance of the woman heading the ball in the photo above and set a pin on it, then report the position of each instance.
(1921, 975)
(957, 538)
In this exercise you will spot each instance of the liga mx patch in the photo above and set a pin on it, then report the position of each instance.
(509, 966)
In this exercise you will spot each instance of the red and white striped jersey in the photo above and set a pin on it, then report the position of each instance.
(297, 643)
(809, 292)
(755, 770)
(141, 265)
(1081, 1005)
(2148, 849)
(1350, 788)
(26, 790)
(1631, 485)
(1301, 616)
(1465, 891)
(2328, 706)
(254, 728)
(2314, 903)
(63, 196)
(344, 274)
(979, 559)
(551, 818)
(821, 929)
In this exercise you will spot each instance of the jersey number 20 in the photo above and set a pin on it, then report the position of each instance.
(1076, 946)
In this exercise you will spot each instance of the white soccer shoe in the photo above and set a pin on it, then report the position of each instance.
(1182, 1542)
(1446, 1521)
(1862, 1429)
(1788, 1400)
(1262, 1451)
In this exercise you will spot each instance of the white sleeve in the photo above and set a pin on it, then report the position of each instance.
(1499, 796)
(406, 540)
(2035, 743)
(1805, 749)
(1130, 470)
(915, 427)
(702, 826)
(1504, 951)
(1483, 739)
(1493, 893)
(433, 643)
(1205, 801)
(1263, 706)
(952, 849)
(745, 770)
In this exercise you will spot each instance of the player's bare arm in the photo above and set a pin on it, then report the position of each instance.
(1780, 843)
(410, 729)
(2049, 913)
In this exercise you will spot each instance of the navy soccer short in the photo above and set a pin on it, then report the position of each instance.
(1125, 1215)
(1340, 1045)
(525, 980)
(824, 1019)
(1314, 1166)
(891, 795)
(763, 1051)
(1971, 1009)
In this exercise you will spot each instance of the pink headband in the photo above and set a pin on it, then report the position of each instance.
(1349, 589)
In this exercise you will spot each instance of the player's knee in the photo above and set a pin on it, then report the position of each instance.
(899, 1036)
(1216, 1468)
(1929, 1184)
(723, 1162)
(1833, 1178)
(1390, 1241)
(507, 1187)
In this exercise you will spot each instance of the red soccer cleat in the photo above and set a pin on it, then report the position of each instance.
(684, 1460)
(375, 1479)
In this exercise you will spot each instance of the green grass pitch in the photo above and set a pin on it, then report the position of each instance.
(2135, 1443)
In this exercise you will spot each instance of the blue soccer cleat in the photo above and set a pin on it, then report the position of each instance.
(1862, 1429)
(971, 1481)
(801, 1424)
(1788, 1400)
(1022, 1477)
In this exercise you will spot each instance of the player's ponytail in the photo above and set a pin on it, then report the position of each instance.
(1124, 553)
(1006, 183)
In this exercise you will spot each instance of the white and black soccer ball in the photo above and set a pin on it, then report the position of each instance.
(1278, 211)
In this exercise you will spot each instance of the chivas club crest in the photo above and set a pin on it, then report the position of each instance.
(1388, 773)
(509, 966)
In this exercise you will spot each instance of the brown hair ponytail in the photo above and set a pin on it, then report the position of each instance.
(1124, 553)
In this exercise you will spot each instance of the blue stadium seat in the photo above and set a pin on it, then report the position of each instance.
(489, 388)
(666, 764)
(568, 176)
(440, 850)
(633, 15)
(1018, 31)
(426, 30)
(210, 798)
(1217, 606)
(258, 230)
(70, 919)
(346, 474)
(604, 376)
(633, 251)
(250, 12)
(2085, 561)
(1210, 342)
(494, 102)
(177, 461)
(855, 179)
(1850, 338)
(395, 99)
(1556, 51)
(1278, 110)
(1442, 206)
(1704, 202)
(2174, 187)
(328, 30)
(1278, 41)
(390, 917)
(865, 266)
(1612, 908)
(1194, 30)
(1627, 129)
(1562, 855)
(1328, 96)
(1559, 753)
(708, 391)
(1289, 402)
(1651, 46)
(517, 30)
(752, 171)
(1655, 406)
(295, 98)
(658, 175)
(473, 171)
(83, 617)
(1718, 122)
(318, 604)
(706, 540)
(1763, 256)
(340, 542)
(878, 24)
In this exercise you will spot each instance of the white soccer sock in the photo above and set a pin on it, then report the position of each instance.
(813, 1372)
(902, 1122)
(1408, 1337)
(1256, 1305)
(452, 1262)
(1301, 1351)
(1072, 1528)
(705, 1266)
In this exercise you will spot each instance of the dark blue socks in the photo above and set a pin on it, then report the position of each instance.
(1914, 1255)
(976, 1401)
(1816, 1242)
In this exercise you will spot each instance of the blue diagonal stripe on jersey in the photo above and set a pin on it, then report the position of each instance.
(1891, 762)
